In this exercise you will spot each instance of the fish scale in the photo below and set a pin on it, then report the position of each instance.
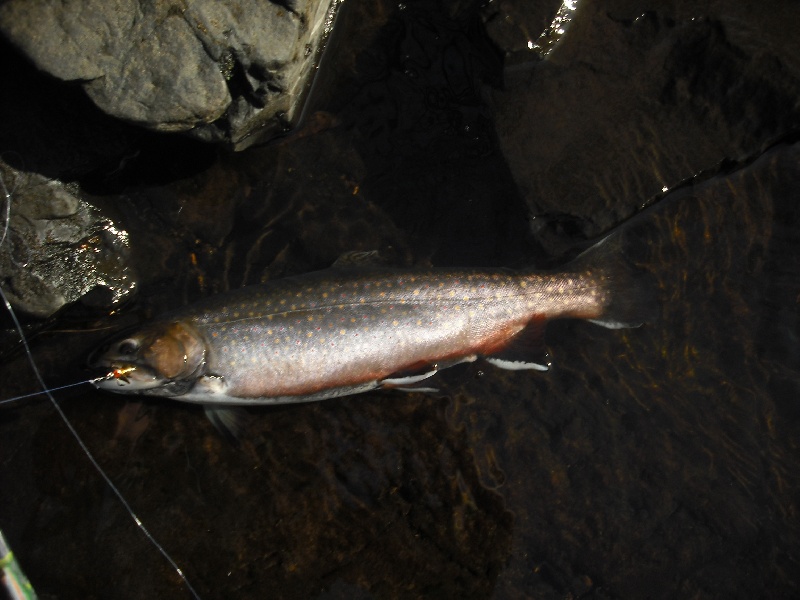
(348, 330)
(351, 331)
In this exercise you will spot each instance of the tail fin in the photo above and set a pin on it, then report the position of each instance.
(630, 289)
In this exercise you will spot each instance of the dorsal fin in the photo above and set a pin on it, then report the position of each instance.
(359, 258)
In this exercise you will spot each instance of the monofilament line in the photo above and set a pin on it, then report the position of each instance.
(53, 389)
(71, 429)
(6, 209)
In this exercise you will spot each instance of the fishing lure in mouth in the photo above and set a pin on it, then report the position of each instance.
(347, 330)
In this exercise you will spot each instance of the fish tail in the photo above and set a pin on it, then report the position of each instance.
(628, 289)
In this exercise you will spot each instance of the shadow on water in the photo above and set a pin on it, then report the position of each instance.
(653, 462)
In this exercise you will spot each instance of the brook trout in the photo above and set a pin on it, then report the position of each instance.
(349, 330)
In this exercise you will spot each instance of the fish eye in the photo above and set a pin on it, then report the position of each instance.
(127, 347)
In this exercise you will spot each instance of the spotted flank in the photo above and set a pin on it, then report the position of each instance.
(349, 330)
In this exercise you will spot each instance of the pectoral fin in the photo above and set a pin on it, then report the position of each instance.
(229, 421)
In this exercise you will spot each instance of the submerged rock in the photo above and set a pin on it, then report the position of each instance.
(222, 71)
(630, 104)
(57, 247)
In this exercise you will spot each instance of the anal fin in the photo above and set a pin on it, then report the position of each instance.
(525, 350)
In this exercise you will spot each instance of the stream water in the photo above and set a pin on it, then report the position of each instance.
(655, 462)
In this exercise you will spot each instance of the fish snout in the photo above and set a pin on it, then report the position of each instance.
(120, 363)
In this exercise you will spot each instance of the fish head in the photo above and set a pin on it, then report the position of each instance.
(160, 356)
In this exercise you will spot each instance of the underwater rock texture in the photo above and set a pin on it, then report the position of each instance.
(632, 102)
(220, 70)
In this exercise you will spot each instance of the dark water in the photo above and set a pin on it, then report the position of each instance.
(657, 462)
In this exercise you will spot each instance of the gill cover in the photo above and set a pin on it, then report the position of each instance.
(178, 352)
(160, 353)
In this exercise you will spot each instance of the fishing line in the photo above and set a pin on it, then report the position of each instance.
(54, 389)
(67, 422)
(7, 209)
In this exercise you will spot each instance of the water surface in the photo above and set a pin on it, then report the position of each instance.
(654, 462)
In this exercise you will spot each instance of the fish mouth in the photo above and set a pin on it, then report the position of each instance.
(122, 376)
(120, 368)
(126, 378)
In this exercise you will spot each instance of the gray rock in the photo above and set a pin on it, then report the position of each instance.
(56, 247)
(230, 71)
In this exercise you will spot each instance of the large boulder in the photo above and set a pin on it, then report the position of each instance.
(56, 248)
(234, 71)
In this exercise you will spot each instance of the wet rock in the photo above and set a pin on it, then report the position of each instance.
(527, 24)
(630, 104)
(58, 248)
(223, 71)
